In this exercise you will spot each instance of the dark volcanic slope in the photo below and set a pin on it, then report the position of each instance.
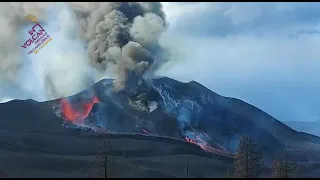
(34, 144)
(31, 133)
(189, 110)
(227, 118)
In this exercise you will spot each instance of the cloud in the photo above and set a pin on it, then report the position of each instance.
(222, 19)
(4, 100)
(79, 53)
(263, 53)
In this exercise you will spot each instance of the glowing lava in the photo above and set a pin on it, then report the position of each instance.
(190, 140)
(72, 114)
(145, 131)
(76, 112)
(201, 142)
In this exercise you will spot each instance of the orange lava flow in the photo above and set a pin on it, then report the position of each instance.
(71, 114)
(190, 140)
(145, 131)
(208, 148)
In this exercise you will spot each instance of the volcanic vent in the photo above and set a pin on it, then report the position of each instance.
(140, 107)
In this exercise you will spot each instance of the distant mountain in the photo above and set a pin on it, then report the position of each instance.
(303, 126)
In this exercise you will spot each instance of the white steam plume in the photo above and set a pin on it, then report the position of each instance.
(89, 41)
(147, 29)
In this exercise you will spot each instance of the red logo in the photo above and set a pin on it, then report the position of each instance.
(36, 34)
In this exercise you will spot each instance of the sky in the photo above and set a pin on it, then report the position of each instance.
(265, 54)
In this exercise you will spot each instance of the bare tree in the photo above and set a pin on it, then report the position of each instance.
(126, 149)
(3, 174)
(104, 161)
(229, 174)
(283, 167)
(248, 159)
(187, 167)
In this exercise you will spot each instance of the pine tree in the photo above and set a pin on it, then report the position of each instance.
(104, 162)
(283, 167)
(248, 159)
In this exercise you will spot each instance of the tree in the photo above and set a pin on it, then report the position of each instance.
(248, 159)
(3, 174)
(283, 167)
(187, 167)
(126, 149)
(104, 162)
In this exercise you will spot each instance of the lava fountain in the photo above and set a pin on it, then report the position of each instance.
(77, 113)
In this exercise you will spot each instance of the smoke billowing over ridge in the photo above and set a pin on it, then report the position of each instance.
(117, 37)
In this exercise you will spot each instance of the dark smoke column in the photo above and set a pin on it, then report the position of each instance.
(120, 36)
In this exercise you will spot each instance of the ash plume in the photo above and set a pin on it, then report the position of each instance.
(119, 38)
(123, 25)
(132, 58)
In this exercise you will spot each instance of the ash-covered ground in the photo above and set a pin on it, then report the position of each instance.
(175, 130)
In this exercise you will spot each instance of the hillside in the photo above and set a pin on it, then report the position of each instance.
(303, 126)
(176, 121)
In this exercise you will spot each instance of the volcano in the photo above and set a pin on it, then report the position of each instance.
(158, 116)
(185, 111)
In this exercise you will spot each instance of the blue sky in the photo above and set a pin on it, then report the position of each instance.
(266, 54)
